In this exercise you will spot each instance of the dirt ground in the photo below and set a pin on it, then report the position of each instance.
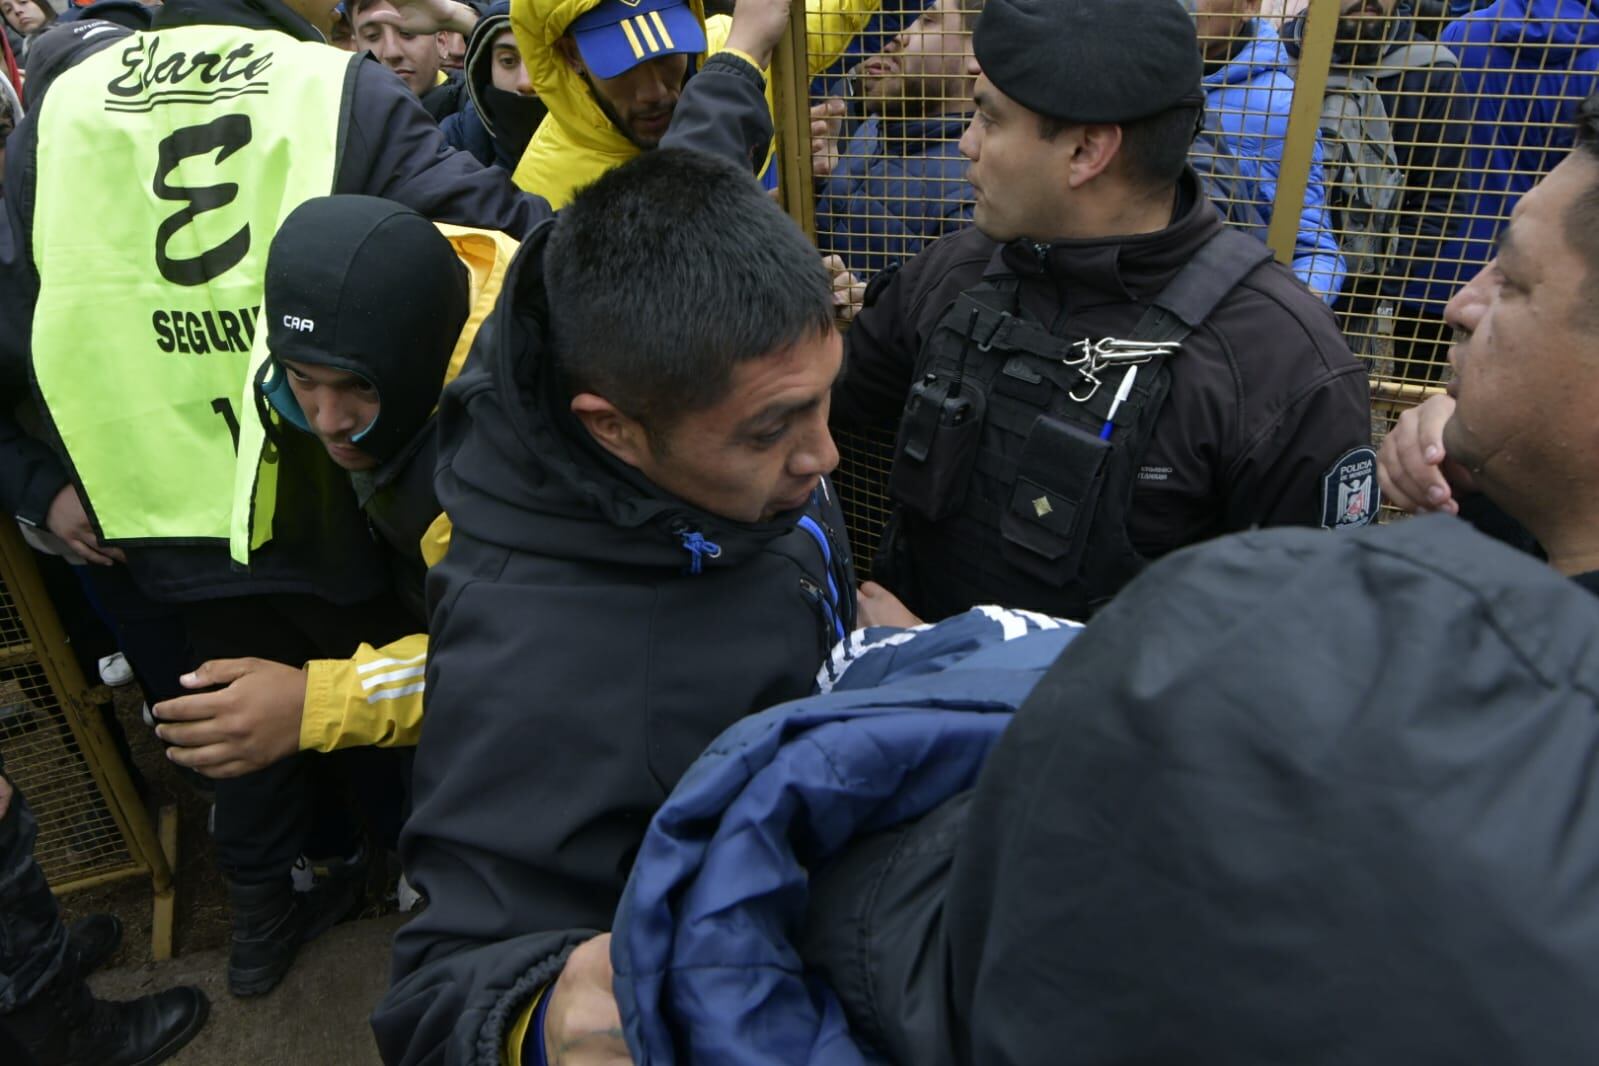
(202, 911)
(201, 914)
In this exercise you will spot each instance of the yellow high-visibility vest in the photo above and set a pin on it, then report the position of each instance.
(165, 164)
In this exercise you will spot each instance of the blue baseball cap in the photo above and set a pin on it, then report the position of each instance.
(618, 35)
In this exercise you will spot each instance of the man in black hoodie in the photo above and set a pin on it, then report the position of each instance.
(645, 549)
(153, 491)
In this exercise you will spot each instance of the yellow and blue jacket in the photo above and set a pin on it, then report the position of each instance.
(576, 142)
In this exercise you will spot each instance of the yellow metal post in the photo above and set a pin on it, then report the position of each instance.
(791, 85)
(47, 642)
(1304, 121)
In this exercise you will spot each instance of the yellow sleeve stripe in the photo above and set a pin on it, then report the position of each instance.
(511, 1053)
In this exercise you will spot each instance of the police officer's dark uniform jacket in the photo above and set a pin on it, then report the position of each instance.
(589, 635)
(1042, 459)
(1265, 420)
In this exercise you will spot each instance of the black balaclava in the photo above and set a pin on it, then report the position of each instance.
(1358, 43)
(370, 287)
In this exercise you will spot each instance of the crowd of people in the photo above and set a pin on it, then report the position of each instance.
(444, 428)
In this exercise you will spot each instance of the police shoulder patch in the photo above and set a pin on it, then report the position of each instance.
(1349, 493)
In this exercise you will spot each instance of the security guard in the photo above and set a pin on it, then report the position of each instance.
(1099, 372)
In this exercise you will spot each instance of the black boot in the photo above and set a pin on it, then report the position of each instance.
(66, 1026)
(92, 940)
(271, 921)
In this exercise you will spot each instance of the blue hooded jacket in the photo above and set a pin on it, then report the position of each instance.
(892, 194)
(1526, 64)
(1248, 100)
(702, 934)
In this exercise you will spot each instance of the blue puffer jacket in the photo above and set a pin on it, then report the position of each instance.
(1527, 64)
(1249, 99)
(897, 187)
(702, 936)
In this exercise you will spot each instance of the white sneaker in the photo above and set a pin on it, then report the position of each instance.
(115, 671)
(406, 896)
(302, 875)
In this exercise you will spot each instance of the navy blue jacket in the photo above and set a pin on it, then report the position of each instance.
(702, 930)
(1525, 65)
(589, 634)
(897, 187)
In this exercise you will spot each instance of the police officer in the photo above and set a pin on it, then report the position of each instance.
(1099, 372)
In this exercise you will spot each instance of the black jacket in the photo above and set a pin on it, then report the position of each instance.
(1430, 119)
(1288, 799)
(399, 503)
(576, 668)
(391, 148)
(1265, 396)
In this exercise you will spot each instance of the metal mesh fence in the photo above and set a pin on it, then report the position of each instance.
(92, 828)
(78, 837)
(1377, 146)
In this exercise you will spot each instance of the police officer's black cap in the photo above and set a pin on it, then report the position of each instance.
(372, 288)
(1082, 61)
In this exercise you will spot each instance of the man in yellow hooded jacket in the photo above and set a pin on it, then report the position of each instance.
(611, 77)
(611, 71)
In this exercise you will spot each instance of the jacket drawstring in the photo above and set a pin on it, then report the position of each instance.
(698, 548)
(830, 602)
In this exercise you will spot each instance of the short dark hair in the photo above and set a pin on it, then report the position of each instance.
(667, 273)
(1583, 216)
(1588, 125)
(1154, 149)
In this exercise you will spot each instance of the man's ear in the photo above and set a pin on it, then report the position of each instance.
(1098, 146)
(617, 433)
(566, 48)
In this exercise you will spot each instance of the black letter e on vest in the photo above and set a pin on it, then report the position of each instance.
(224, 135)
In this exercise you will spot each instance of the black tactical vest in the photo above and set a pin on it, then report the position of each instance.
(1018, 450)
